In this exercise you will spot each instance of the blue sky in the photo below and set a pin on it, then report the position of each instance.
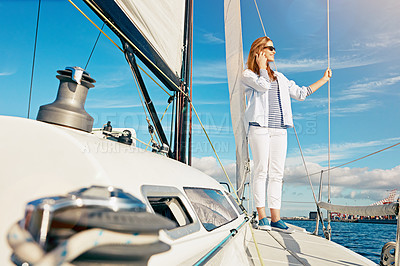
(365, 42)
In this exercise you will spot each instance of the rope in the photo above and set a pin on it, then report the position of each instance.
(255, 243)
(141, 101)
(259, 16)
(94, 46)
(123, 36)
(329, 125)
(288, 250)
(119, 48)
(355, 160)
(308, 175)
(229, 180)
(33, 60)
(219, 160)
(381, 150)
(95, 25)
(166, 109)
(30, 251)
(144, 143)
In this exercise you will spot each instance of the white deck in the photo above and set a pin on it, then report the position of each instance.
(301, 248)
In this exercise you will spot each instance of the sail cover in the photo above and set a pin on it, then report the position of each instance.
(234, 65)
(155, 27)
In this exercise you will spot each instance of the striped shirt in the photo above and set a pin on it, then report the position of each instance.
(275, 116)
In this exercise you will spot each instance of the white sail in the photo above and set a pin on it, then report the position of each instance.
(234, 65)
(162, 24)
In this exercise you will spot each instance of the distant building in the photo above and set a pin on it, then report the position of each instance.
(312, 215)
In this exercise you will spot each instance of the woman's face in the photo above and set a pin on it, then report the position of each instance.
(269, 51)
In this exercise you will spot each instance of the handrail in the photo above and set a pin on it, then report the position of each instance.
(213, 251)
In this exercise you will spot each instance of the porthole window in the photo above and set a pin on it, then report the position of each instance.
(211, 206)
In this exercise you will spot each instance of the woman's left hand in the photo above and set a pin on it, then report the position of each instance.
(327, 74)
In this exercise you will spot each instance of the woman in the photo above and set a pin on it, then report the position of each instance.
(268, 114)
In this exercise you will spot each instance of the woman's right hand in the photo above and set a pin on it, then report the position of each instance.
(261, 60)
(327, 74)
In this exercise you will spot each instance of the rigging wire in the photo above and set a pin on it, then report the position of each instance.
(95, 25)
(119, 48)
(305, 166)
(166, 109)
(33, 60)
(122, 35)
(329, 124)
(144, 109)
(329, 108)
(94, 46)
(172, 120)
(355, 160)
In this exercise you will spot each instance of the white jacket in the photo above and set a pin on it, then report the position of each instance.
(256, 89)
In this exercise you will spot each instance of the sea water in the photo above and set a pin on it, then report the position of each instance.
(364, 238)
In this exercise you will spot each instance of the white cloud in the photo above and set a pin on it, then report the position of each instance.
(347, 183)
(115, 77)
(215, 70)
(211, 167)
(108, 104)
(302, 65)
(209, 72)
(342, 151)
(349, 178)
(211, 38)
(121, 102)
(6, 73)
(336, 111)
(312, 64)
(354, 108)
(388, 39)
(363, 89)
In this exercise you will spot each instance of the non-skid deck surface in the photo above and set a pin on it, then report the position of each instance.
(301, 248)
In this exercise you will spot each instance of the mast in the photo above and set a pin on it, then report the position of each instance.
(182, 100)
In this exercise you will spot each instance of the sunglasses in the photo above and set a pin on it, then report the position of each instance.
(271, 48)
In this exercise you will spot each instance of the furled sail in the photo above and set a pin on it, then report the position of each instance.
(234, 65)
(155, 27)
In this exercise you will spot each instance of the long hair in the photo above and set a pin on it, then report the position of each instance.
(256, 48)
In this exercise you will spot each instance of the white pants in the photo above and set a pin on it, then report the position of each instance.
(268, 146)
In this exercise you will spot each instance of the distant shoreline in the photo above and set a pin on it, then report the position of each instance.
(372, 221)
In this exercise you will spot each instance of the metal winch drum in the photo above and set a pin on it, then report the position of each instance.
(68, 108)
